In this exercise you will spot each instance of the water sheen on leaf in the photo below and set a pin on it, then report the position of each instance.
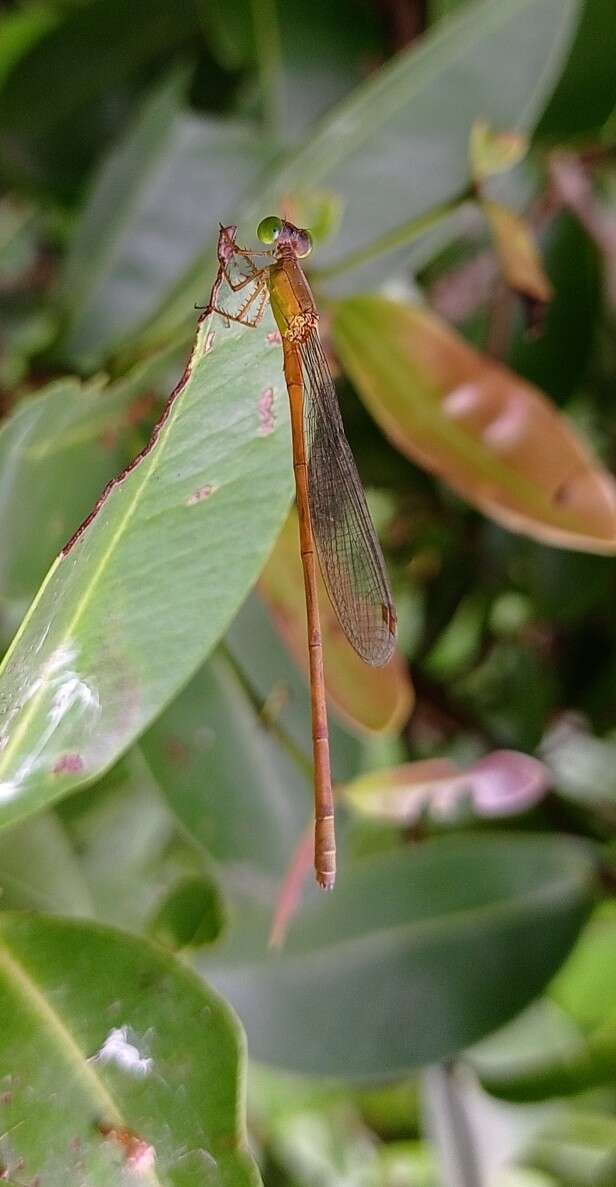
(494, 438)
(127, 614)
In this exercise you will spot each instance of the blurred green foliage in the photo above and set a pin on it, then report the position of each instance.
(448, 1017)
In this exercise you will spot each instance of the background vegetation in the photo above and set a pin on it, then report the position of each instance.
(448, 1016)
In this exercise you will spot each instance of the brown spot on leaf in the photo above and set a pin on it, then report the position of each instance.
(139, 1156)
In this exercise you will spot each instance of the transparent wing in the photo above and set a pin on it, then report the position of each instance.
(348, 549)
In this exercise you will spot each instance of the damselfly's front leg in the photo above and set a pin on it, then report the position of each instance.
(231, 260)
(256, 301)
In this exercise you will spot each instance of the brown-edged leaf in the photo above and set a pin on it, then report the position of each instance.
(374, 699)
(497, 440)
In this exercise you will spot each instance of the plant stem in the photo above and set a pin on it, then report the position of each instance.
(267, 41)
(295, 752)
(449, 1127)
(392, 240)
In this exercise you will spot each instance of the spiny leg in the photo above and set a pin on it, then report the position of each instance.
(241, 317)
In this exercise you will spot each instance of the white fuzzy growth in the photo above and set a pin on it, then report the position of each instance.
(126, 1056)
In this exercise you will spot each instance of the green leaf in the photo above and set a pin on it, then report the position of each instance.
(259, 654)
(387, 127)
(475, 424)
(115, 1059)
(437, 9)
(20, 31)
(139, 231)
(324, 49)
(58, 449)
(586, 987)
(566, 1044)
(130, 854)
(578, 1148)
(39, 869)
(416, 955)
(129, 611)
(226, 778)
(586, 93)
(191, 915)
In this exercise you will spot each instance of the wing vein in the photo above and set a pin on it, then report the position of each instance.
(349, 553)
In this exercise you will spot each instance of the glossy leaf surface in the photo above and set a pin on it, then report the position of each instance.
(133, 607)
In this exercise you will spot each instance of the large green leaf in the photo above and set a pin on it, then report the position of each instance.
(116, 1063)
(409, 123)
(418, 954)
(58, 449)
(130, 610)
(476, 424)
(156, 203)
(586, 93)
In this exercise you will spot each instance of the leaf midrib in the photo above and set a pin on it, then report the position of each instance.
(63, 1040)
(561, 890)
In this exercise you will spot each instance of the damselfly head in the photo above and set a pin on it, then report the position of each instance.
(284, 234)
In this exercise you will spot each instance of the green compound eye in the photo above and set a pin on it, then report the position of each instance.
(269, 229)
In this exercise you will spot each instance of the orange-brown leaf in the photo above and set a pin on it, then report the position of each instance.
(372, 699)
(496, 439)
(520, 261)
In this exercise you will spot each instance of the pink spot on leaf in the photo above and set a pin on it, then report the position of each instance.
(202, 493)
(267, 417)
(274, 338)
(209, 342)
(69, 764)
